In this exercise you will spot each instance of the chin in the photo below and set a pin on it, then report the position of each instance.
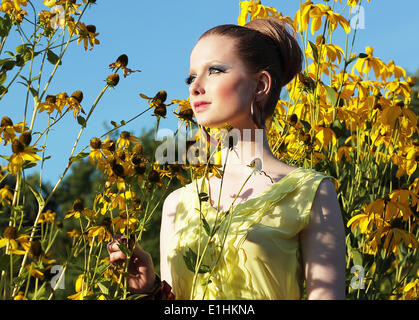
(210, 123)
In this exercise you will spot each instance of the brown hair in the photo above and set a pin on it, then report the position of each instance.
(266, 44)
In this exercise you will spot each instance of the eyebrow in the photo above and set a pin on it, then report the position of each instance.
(212, 62)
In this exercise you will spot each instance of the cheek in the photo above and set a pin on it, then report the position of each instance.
(235, 92)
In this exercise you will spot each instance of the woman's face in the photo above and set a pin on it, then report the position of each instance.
(218, 78)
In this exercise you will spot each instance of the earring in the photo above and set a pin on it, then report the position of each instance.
(257, 115)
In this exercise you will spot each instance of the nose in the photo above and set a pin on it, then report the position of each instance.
(196, 87)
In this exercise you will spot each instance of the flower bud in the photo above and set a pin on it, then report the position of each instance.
(293, 119)
(6, 121)
(122, 60)
(161, 95)
(138, 149)
(106, 222)
(10, 233)
(117, 169)
(60, 224)
(36, 248)
(153, 176)
(91, 28)
(17, 146)
(125, 135)
(113, 79)
(95, 143)
(25, 138)
(51, 99)
(78, 95)
(78, 205)
(160, 111)
(140, 168)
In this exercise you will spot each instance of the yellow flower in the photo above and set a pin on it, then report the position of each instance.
(411, 289)
(257, 10)
(325, 137)
(21, 153)
(101, 233)
(81, 289)
(123, 221)
(20, 296)
(122, 63)
(309, 10)
(393, 238)
(353, 3)
(8, 130)
(73, 234)
(367, 61)
(78, 209)
(6, 197)
(47, 217)
(49, 105)
(174, 171)
(11, 240)
(35, 272)
(87, 34)
(74, 103)
(125, 140)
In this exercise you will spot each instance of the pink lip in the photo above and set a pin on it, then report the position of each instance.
(201, 105)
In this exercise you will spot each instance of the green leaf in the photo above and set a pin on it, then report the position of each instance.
(331, 95)
(3, 77)
(103, 288)
(315, 51)
(28, 164)
(22, 48)
(80, 156)
(203, 196)
(3, 89)
(190, 259)
(53, 58)
(81, 121)
(124, 249)
(357, 257)
(8, 65)
(138, 296)
(206, 226)
(307, 125)
(38, 196)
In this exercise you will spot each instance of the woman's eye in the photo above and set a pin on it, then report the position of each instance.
(189, 79)
(214, 70)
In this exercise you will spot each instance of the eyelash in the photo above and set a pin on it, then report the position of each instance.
(189, 79)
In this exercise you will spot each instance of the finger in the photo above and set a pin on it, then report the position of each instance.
(113, 246)
(117, 257)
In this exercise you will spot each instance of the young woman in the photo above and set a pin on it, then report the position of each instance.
(286, 226)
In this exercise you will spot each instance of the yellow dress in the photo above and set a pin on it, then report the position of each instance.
(260, 258)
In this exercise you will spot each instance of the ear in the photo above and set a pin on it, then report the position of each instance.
(263, 85)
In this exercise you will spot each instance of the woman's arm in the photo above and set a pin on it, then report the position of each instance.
(323, 247)
(166, 230)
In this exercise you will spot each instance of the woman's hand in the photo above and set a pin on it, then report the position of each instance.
(140, 266)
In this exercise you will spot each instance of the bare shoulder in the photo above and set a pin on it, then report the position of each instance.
(171, 202)
(325, 208)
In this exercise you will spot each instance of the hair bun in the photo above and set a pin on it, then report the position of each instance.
(284, 39)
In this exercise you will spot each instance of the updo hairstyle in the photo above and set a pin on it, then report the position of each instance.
(266, 44)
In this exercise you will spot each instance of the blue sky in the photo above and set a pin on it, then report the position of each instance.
(158, 36)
